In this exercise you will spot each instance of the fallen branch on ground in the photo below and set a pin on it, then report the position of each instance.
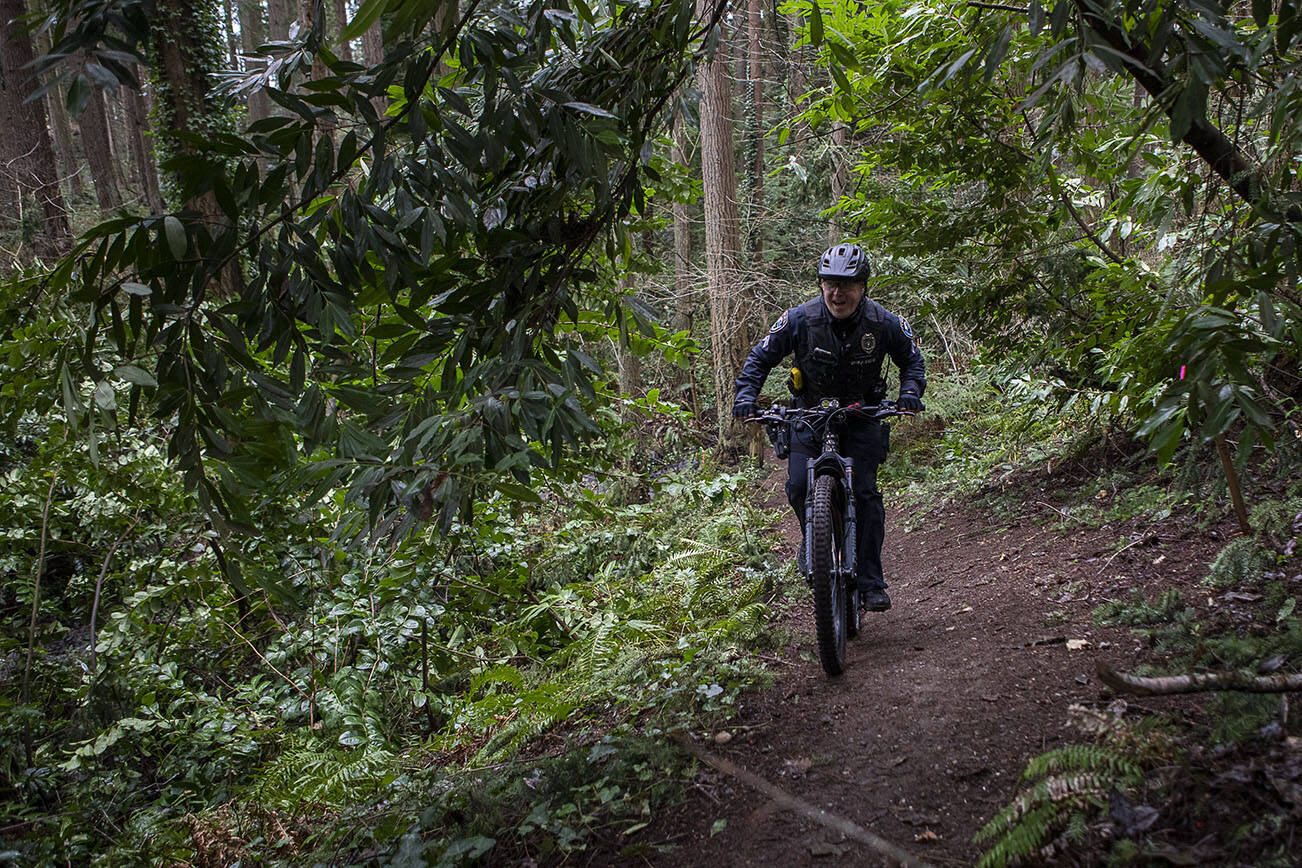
(1143, 539)
(1061, 513)
(1197, 682)
(790, 802)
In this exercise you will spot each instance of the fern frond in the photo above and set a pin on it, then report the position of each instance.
(1082, 758)
(321, 775)
(503, 673)
(535, 712)
(696, 549)
(1019, 840)
(747, 616)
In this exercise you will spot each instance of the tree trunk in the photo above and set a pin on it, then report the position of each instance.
(186, 106)
(839, 173)
(65, 145)
(755, 74)
(373, 54)
(280, 14)
(684, 284)
(98, 145)
(144, 168)
(115, 115)
(27, 165)
(232, 50)
(797, 79)
(729, 339)
(373, 44)
(310, 14)
(630, 366)
(253, 33)
(341, 21)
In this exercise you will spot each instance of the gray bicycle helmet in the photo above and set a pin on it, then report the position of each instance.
(844, 261)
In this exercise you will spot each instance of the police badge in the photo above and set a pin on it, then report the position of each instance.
(869, 343)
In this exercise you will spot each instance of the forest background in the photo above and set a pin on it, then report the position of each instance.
(367, 366)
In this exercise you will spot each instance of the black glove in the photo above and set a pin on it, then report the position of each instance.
(909, 401)
(744, 409)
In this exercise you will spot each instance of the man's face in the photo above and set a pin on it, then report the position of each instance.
(842, 296)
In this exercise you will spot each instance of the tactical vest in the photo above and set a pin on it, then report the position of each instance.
(849, 368)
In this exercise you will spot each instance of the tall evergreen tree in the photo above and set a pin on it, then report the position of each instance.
(729, 337)
(27, 165)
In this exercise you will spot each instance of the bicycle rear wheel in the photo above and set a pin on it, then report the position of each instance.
(826, 555)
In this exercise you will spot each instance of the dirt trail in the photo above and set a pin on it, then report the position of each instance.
(945, 697)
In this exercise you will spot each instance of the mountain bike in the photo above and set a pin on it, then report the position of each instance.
(831, 531)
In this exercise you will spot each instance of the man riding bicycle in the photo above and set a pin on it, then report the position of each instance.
(839, 341)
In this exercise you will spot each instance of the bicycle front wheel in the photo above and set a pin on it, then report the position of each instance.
(826, 556)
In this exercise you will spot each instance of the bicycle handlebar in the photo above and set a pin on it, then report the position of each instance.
(824, 414)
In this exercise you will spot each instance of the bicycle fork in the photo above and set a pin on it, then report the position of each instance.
(831, 463)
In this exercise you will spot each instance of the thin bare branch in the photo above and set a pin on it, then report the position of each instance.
(1197, 682)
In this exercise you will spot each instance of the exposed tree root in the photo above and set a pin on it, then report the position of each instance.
(850, 830)
(1197, 682)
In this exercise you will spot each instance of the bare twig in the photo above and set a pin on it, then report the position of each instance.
(1232, 480)
(1038, 643)
(36, 603)
(270, 665)
(99, 585)
(36, 589)
(850, 830)
(953, 364)
(1197, 682)
(1143, 539)
(1061, 513)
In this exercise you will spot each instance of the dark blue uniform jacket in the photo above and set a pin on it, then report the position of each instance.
(837, 359)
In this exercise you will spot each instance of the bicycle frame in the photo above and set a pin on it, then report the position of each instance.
(832, 463)
(831, 526)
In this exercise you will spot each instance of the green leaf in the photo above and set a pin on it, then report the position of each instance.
(997, 52)
(590, 109)
(79, 94)
(136, 289)
(515, 491)
(1261, 10)
(176, 240)
(1167, 439)
(104, 396)
(366, 15)
(841, 81)
(135, 376)
(815, 24)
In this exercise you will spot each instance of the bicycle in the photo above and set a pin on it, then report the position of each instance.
(829, 563)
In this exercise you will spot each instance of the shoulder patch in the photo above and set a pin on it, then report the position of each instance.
(906, 328)
(781, 323)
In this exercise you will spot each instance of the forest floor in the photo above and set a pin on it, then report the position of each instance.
(989, 643)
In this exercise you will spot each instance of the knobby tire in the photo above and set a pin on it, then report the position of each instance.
(826, 547)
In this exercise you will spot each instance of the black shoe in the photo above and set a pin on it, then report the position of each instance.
(874, 600)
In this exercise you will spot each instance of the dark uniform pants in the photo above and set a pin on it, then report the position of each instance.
(866, 446)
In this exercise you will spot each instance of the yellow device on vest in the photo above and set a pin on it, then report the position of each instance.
(797, 381)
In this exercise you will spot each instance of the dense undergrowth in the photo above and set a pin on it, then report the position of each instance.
(503, 693)
(495, 694)
(1215, 783)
